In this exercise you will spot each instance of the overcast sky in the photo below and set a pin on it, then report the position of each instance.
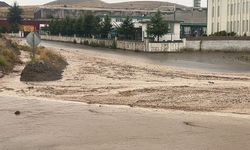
(39, 2)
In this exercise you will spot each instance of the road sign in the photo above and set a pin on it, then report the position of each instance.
(33, 39)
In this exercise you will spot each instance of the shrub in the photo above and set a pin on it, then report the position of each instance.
(224, 33)
(51, 57)
(9, 55)
(3, 61)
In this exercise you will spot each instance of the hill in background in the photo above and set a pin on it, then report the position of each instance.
(122, 5)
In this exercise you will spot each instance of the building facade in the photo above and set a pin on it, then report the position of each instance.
(229, 16)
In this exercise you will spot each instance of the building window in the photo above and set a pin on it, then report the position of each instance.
(247, 7)
(213, 12)
(238, 8)
(218, 27)
(234, 8)
(234, 25)
(243, 26)
(212, 27)
(244, 6)
(227, 26)
(231, 24)
(247, 26)
(218, 11)
(238, 26)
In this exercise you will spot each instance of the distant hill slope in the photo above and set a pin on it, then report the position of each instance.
(77, 3)
(3, 4)
(122, 5)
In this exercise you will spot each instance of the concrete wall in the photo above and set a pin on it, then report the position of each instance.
(126, 45)
(131, 45)
(165, 47)
(221, 45)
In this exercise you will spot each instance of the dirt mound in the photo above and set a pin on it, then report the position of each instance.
(40, 71)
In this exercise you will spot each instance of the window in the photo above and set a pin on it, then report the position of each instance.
(235, 26)
(231, 24)
(218, 27)
(231, 11)
(213, 12)
(243, 26)
(238, 8)
(247, 26)
(238, 26)
(212, 27)
(244, 6)
(228, 27)
(247, 4)
(218, 11)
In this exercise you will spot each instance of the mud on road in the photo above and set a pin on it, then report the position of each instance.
(101, 78)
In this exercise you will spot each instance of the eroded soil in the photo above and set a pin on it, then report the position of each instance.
(108, 79)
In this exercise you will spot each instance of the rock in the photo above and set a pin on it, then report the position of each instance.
(211, 82)
(17, 113)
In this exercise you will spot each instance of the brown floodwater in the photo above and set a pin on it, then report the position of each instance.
(226, 62)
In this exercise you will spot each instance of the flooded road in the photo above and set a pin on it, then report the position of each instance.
(206, 61)
(62, 125)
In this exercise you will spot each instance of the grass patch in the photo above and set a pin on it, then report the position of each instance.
(51, 57)
(3, 61)
(8, 55)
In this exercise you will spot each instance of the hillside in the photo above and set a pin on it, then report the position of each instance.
(77, 3)
(3, 4)
(122, 5)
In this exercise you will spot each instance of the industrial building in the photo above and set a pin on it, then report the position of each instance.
(229, 16)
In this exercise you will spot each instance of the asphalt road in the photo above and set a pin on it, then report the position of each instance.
(60, 125)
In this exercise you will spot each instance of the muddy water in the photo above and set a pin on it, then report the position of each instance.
(229, 62)
(58, 125)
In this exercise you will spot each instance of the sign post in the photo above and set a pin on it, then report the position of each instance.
(33, 39)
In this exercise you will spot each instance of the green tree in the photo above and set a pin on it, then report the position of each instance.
(14, 17)
(157, 27)
(90, 25)
(79, 28)
(106, 27)
(127, 29)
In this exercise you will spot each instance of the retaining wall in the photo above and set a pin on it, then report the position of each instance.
(165, 47)
(220, 45)
(126, 45)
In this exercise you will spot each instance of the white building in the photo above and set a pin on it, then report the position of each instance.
(173, 35)
(229, 15)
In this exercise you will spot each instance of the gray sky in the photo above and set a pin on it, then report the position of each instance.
(39, 2)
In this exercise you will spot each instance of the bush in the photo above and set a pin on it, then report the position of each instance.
(224, 33)
(9, 55)
(3, 61)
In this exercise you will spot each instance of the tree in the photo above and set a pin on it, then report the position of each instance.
(106, 27)
(90, 25)
(157, 27)
(14, 17)
(127, 29)
(79, 29)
